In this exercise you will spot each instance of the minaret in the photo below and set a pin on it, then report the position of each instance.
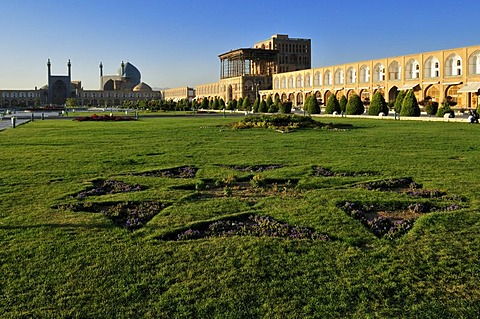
(69, 81)
(69, 65)
(123, 69)
(49, 66)
(101, 69)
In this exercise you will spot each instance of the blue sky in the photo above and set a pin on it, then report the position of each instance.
(176, 43)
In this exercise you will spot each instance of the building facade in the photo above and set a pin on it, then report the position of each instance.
(452, 74)
(246, 72)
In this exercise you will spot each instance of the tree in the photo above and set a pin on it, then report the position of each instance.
(263, 108)
(343, 103)
(355, 105)
(240, 104)
(431, 107)
(444, 109)
(204, 104)
(246, 104)
(286, 107)
(332, 105)
(221, 104)
(269, 101)
(410, 105)
(311, 105)
(256, 105)
(71, 102)
(378, 105)
(232, 105)
(398, 101)
(216, 104)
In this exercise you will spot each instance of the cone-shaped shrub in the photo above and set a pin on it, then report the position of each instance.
(311, 105)
(286, 107)
(410, 105)
(256, 105)
(246, 104)
(269, 101)
(204, 104)
(355, 105)
(343, 103)
(378, 105)
(445, 108)
(398, 101)
(240, 104)
(431, 107)
(332, 105)
(263, 108)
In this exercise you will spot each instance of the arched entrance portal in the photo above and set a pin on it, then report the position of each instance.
(433, 92)
(327, 95)
(59, 90)
(392, 94)
(452, 95)
(299, 99)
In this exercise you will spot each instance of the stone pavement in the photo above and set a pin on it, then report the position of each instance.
(7, 122)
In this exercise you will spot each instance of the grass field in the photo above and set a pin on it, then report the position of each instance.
(57, 262)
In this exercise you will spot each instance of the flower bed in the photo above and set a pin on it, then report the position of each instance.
(325, 172)
(176, 172)
(104, 118)
(103, 187)
(252, 225)
(253, 168)
(130, 215)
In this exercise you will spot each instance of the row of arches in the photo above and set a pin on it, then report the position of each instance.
(432, 91)
(432, 68)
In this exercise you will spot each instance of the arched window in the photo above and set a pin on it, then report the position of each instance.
(474, 63)
(308, 80)
(291, 83)
(317, 80)
(328, 78)
(284, 82)
(394, 71)
(299, 81)
(364, 74)
(351, 75)
(339, 76)
(378, 73)
(432, 68)
(412, 69)
(453, 65)
(276, 84)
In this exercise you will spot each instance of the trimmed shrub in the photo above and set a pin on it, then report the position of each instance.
(263, 108)
(332, 105)
(343, 103)
(256, 105)
(355, 105)
(398, 101)
(273, 108)
(240, 104)
(246, 104)
(311, 105)
(216, 104)
(409, 105)
(269, 101)
(431, 107)
(444, 109)
(286, 107)
(204, 104)
(378, 105)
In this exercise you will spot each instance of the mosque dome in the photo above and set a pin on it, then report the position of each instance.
(142, 87)
(131, 73)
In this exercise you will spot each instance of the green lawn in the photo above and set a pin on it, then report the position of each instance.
(58, 263)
